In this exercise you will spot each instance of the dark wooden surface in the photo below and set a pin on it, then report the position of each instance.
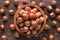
(10, 34)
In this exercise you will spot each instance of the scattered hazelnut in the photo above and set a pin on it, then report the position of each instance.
(47, 27)
(58, 17)
(16, 2)
(12, 26)
(2, 11)
(16, 34)
(58, 29)
(46, 17)
(52, 14)
(33, 3)
(41, 4)
(44, 38)
(54, 2)
(57, 10)
(54, 23)
(25, 1)
(19, 7)
(5, 18)
(6, 2)
(51, 37)
(4, 37)
(2, 27)
(11, 12)
(49, 8)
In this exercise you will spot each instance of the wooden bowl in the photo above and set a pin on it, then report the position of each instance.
(44, 22)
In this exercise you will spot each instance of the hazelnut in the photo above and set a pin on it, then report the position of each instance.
(54, 23)
(41, 19)
(6, 2)
(25, 16)
(54, 2)
(33, 3)
(28, 32)
(58, 17)
(4, 37)
(38, 26)
(38, 20)
(2, 27)
(51, 37)
(41, 4)
(46, 17)
(31, 28)
(16, 2)
(25, 1)
(21, 12)
(34, 32)
(27, 8)
(33, 23)
(37, 15)
(34, 10)
(27, 23)
(21, 25)
(12, 26)
(11, 12)
(58, 29)
(47, 27)
(2, 11)
(25, 29)
(49, 8)
(20, 20)
(16, 34)
(5, 18)
(19, 7)
(44, 38)
(52, 14)
(57, 10)
(32, 15)
(17, 15)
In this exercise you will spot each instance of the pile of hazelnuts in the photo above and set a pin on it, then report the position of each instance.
(31, 24)
(29, 20)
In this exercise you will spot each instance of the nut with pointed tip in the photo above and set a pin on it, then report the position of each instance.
(58, 17)
(58, 29)
(2, 27)
(16, 34)
(4, 37)
(2, 11)
(6, 2)
(51, 37)
(33, 3)
(5, 18)
(16, 2)
(57, 10)
(11, 12)
(12, 26)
